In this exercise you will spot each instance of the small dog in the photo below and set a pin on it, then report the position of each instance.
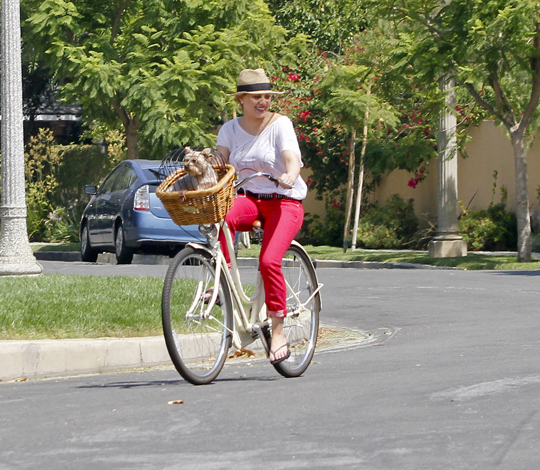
(200, 174)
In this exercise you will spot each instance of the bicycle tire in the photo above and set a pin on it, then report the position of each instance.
(198, 346)
(301, 325)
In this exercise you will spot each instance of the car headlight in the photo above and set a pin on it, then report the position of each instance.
(141, 201)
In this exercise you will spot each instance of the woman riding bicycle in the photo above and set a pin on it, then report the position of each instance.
(261, 140)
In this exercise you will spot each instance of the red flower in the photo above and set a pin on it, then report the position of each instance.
(304, 115)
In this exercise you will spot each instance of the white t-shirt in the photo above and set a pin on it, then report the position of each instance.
(250, 154)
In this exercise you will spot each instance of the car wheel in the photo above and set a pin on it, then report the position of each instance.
(124, 255)
(88, 254)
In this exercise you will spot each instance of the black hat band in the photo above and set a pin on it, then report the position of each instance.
(254, 87)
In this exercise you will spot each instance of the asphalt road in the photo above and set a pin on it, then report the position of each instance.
(451, 380)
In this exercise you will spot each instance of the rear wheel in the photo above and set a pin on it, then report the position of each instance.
(88, 254)
(302, 321)
(124, 255)
(198, 332)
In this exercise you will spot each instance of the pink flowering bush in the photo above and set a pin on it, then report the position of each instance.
(322, 139)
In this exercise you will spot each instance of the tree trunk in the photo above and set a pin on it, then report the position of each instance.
(358, 204)
(522, 197)
(132, 128)
(350, 190)
(360, 177)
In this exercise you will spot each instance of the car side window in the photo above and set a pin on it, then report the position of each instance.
(126, 177)
(106, 186)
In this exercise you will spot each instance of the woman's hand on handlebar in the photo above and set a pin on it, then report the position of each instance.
(287, 181)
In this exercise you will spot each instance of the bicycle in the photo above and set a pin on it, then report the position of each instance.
(206, 309)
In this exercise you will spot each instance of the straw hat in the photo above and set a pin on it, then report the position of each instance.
(254, 82)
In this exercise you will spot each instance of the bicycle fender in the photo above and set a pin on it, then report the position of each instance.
(198, 246)
(319, 285)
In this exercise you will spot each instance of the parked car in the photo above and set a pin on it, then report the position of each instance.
(124, 216)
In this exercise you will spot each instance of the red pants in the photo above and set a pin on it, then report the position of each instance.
(282, 219)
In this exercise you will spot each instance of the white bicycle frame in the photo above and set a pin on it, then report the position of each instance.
(249, 313)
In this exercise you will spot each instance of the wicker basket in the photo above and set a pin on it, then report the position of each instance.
(206, 206)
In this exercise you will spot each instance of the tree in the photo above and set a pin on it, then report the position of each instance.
(160, 67)
(354, 111)
(331, 24)
(492, 49)
(349, 96)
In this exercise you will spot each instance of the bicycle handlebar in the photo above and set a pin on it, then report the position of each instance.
(272, 178)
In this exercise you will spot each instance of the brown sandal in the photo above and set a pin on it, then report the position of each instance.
(284, 358)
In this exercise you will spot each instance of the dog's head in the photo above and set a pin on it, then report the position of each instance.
(195, 164)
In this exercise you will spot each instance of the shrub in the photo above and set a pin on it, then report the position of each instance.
(421, 238)
(390, 225)
(63, 224)
(536, 243)
(42, 161)
(55, 179)
(492, 229)
(328, 231)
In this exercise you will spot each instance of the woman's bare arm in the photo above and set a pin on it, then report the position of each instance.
(292, 164)
(224, 151)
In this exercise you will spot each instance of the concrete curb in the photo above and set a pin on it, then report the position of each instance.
(54, 358)
(70, 357)
(109, 258)
(57, 256)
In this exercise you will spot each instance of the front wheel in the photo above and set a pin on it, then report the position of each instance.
(198, 332)
(302, 322)
(88, 254)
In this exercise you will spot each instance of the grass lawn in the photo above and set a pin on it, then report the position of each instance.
(55, 306)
